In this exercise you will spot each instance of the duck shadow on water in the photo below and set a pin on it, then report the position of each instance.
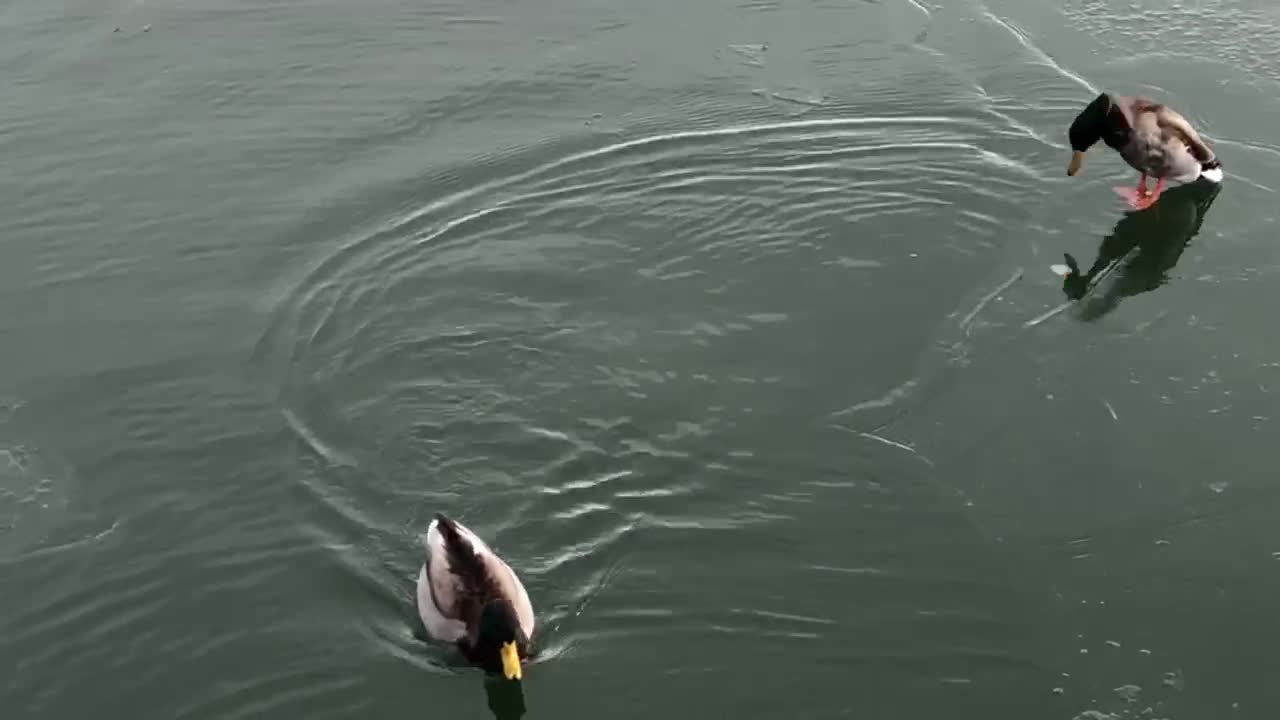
(506, 697)
(1140, 251)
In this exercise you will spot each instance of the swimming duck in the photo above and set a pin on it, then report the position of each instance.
(1153, 138)
(469, 596)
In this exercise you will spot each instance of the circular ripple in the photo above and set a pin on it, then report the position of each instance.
(571, 356)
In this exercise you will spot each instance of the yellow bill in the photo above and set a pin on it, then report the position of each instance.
(1077, 161)
(511, 661)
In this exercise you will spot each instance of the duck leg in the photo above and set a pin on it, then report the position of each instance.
(1155, 194)
(1139, 198)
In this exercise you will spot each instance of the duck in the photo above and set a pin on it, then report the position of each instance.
(469, 596)
(1153, 139)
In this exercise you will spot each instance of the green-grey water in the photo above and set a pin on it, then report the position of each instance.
(729, 324)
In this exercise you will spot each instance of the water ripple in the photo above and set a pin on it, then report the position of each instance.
(517, 349)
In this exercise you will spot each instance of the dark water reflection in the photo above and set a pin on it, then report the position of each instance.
(1141, 250)
(506, 698)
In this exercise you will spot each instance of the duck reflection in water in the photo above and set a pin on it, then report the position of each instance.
(506, 697)
(1141, 249)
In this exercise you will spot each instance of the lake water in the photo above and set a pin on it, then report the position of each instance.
(730, 324)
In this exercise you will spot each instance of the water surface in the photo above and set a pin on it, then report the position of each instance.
(729, 324)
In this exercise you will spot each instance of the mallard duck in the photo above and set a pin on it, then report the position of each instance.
(1153, 138)
(469, 596)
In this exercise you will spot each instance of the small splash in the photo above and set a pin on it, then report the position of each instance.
(1129, 693)
(8, 408)
(751, 53)
(1112, 410)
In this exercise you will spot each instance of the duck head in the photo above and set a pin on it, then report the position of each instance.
(1096, 122)
(500, 642)
(1074, 282)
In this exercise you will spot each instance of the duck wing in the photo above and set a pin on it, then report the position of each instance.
(1189, 152)
(438, 591)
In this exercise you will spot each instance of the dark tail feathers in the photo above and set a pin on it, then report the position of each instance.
(463, 561)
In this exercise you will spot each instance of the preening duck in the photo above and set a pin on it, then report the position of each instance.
(469, 596)
(1153, 138)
